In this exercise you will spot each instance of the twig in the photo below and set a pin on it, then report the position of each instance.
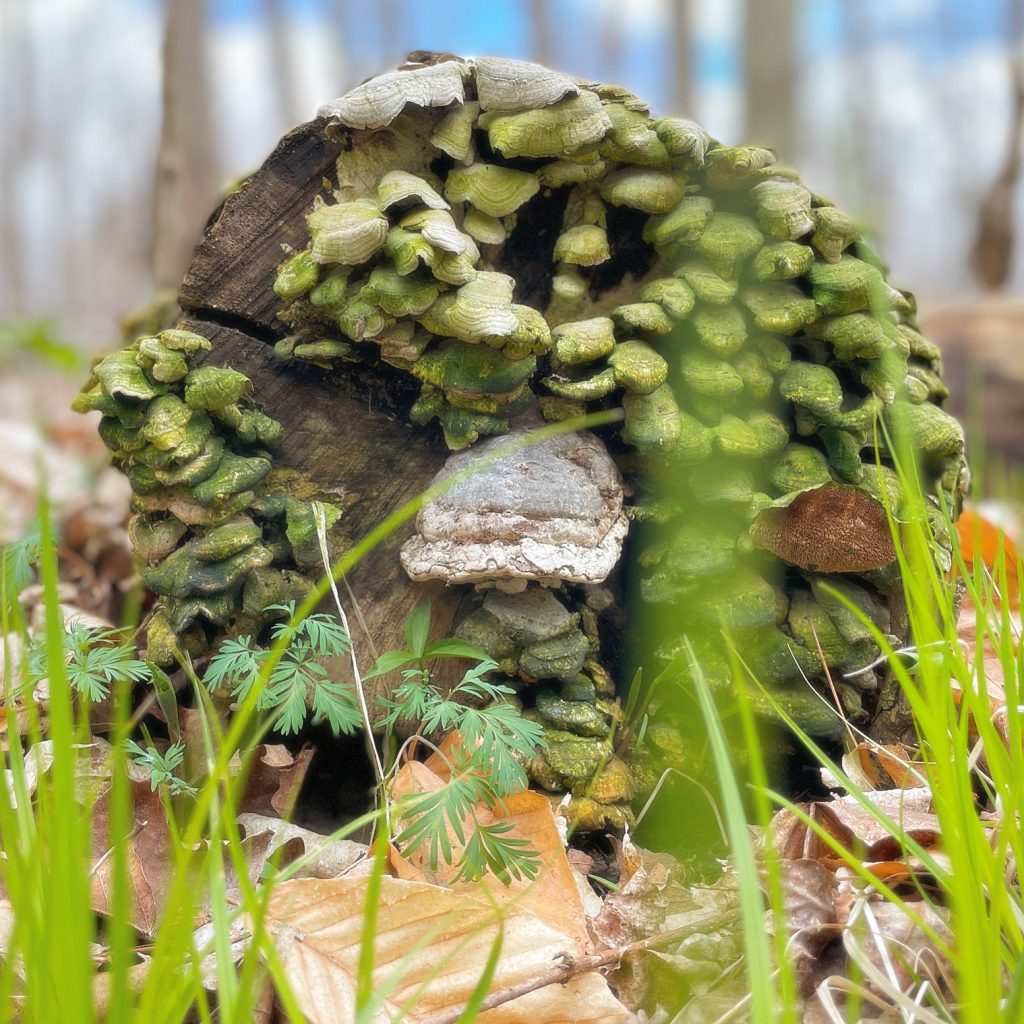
(136, 829)
(358, 613)
(689, 778)
(832, 688)
(321, 531)
(559, 973)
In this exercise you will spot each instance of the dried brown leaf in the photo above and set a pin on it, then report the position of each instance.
(148, 856)
(425, 931)
(655, 902)
(639, 908)
(856, 829)
(897, 948)
(876, 766)
(275, 778)
(330, 858)
(809, 894)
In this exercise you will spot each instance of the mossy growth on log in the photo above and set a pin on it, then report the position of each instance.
(461, 249)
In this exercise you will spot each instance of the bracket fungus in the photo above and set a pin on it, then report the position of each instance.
(458, 247)
(516, 510)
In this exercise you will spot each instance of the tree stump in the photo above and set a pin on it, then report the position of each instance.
(470, 248)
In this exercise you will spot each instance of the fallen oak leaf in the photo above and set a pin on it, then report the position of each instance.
(871, 838)
(638, 908)
(275, 778)
(794, 839)
(149, 855)
(438, 942)
(152, 855)
(656, 903)
(893, 952)
(856, 828)
(809, 902)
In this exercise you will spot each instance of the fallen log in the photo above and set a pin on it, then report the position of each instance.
(461, 249)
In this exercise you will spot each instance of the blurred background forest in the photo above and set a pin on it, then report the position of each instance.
(122, 117)
(123, 120)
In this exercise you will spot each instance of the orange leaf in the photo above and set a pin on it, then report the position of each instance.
(440, 760)
(981, 539)
(880, 766)
(552, 896)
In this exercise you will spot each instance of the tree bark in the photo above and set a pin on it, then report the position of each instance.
(343, 440)
(347, 440)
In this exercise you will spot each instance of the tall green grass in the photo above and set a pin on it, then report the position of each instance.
(62, 961)
(971, 754)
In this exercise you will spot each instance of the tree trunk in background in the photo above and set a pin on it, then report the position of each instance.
(860, 163)
(17, 106)
(281, 64)
(541, 32)
(770, 75)
(186, 173)
(392, 38)
(338, 27)
(682, 62)
(610, 44)
(992, 253)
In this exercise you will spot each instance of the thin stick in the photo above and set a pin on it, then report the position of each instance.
(321, 531)
(689, 778)
(136, 829)
(358, 613)
(832, 688)
(559, 973)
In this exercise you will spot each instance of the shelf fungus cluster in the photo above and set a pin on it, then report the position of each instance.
(219, 543)
(518, 245)
(746, 331)
(522, 519)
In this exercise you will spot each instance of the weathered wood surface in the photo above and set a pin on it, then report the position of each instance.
(232, 273)
(341, 436)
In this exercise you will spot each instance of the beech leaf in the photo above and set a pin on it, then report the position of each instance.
(553, 896)
(425, 930)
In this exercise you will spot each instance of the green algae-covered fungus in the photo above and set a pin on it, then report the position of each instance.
(517, 244)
